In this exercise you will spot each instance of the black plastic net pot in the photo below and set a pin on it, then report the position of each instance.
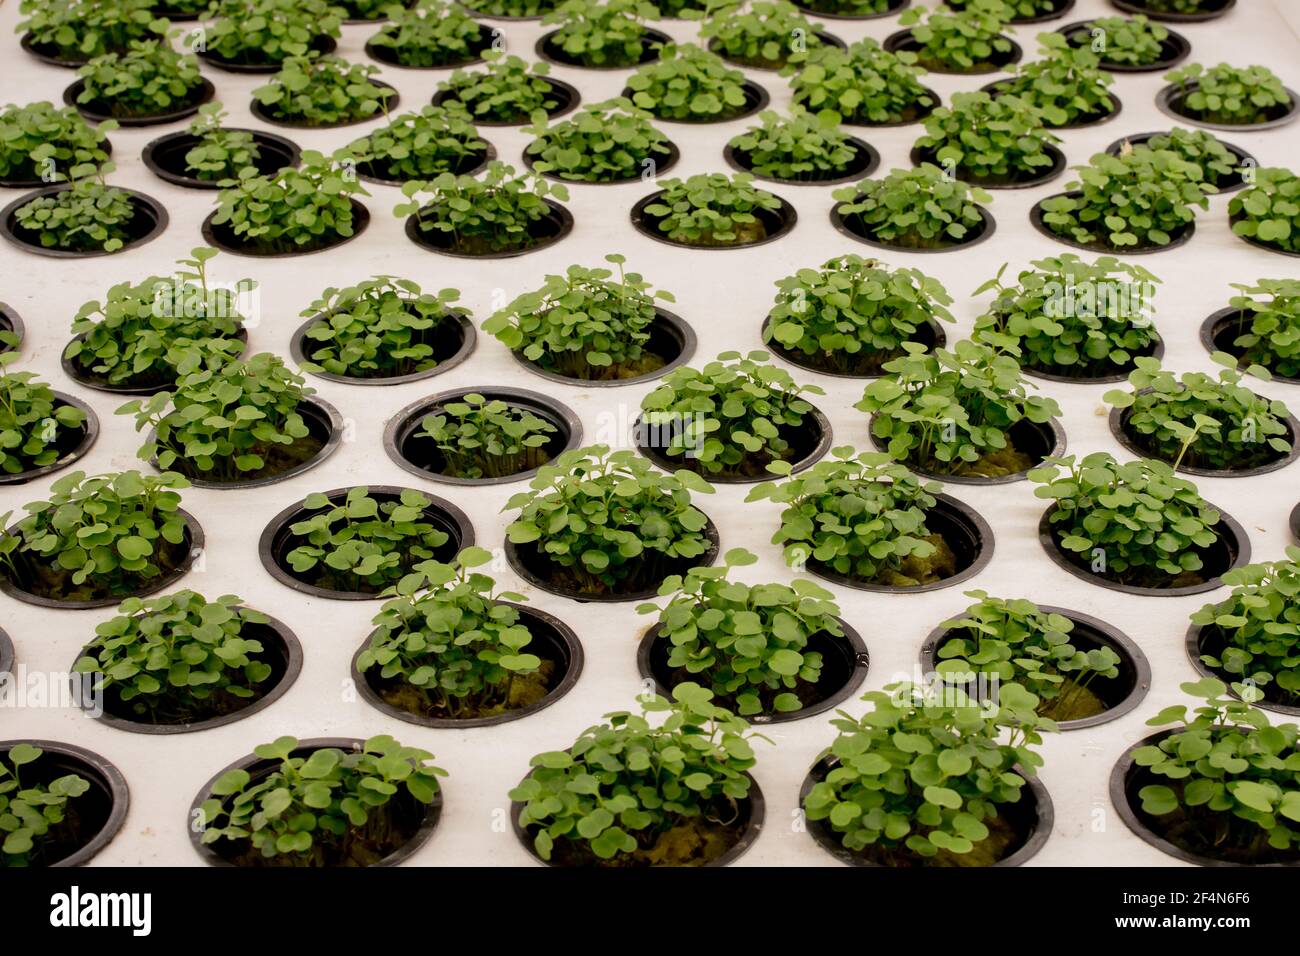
(833, 10)
(1210, 639)
(165, 157)
(1000, 87)
(1153, 349)
(904, 41)
(549, 50)
(1220, 331)
(1059, 9)
(915, 113)
(99, 110)
(72, 443)
(147, 223)
(1137, 444)
(1172, 101)
(671, 341)
(1210, 10)
(552, 640)
(566, 98)
(1036, 440)
(1118, 695)
(775, 223)
(94, 818)
(756, 100)
(1173, 50)
(543, 232)
(716, 47)
(25, 580)
(421, 455)
(1020, 179)
(380, 171)
(1179, 236)
(267, 114)
(6, 653)
(11, 322)
(224, 238)
(453, 340)
(392, 56)
(864, 364)
(280, 649)
(148, 382)
(278, 540)
(844, 668)
(1028, 822)
(408, 821)
(252, 62)
(853, 228)
(659, 163)
(864, 162)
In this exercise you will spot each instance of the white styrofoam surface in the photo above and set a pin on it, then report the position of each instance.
(724, 295)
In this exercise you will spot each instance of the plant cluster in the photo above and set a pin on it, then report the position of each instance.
(1016, 9)
(1269, 210)
(482, 438)
(801, 147)
(507, 90)
(1218, 163)
(988, 141)
(1070, 317)
(1124, 41)
(219, 153)
(431, 33)
(712, 209)
(87, 215)
(921, 208)
(1234, 96)
(1066, 83)
(852, 315)
(865, 84)
(730, 418)
(768, 34)
(436, 140)
(32, 420)
(32, 817)
(604, 142)
(265, 32)
(39, 142)
(969, 40)
(688, 84)
(149, 79)
(601, 33)
(625, 783)
(1267, 325)
(323, 91)
(78, 30)
(511, 8)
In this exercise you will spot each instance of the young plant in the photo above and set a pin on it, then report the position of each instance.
(852, 315)
(34, 819)
(1269, 210)
(330, 808)
(219, 154)
(1200, 421)
(383, 327)
(730, 418)
(80, 30)
(1015, 640)
(93, 536)
(178, 658)
(360, 543)
(148, 80)
(1135, 523)
(862, 517)
(865, 84)
(1256, 631)
(497, 213)
(712, 209)
(1229, 95)
(600, 34)
(767, 34)
(447, 645)
(323, 91)
(609, 522)
(1218, 164)
(436, 140)
(624, 785)
(688, 84)
(430, 34)
(583, 325)
(850, 8)
(748, 643)
(801, 147)
(921, 208)
(479, 438)
(32, 420)
(923, 780)
(969, 40)
(234, 422)
(1066, 83)
(605, 142)
(268, 32)
(1068, 317)
(987, 141)
(507, 90)
(1017, 9)
(88, 216)
(292, 210)
(1124, 41)
(1141, 199)
(954, 412)
(39, 143)
(515, 9)
(1267, 326)
(1231, 790)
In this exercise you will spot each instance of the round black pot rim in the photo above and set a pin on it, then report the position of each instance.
(402, 424)
(1118, 787)
(569, 102)
(1157, 350)
(680, 329)
(322, 44)
(432, 812)
(956, 510)
(360, 220)
(756, 96)
(469, 339)
(1295, 523)
(263, 112)
(857, 649)
(28, 43)
(989, 225)
(74, 372)
(317, 408)
(902, 39)
(1118, 418)
(706, 559)
(661, 166)
(891, 124)
(14, 322)
(1053, 426)
(566, 636)
(1227, 524)
(753, 828)
(1243, 157)
(1107, 634)
(994, 90)
(1136, 6)
(1192, 643)
(919, 155)
(109, 777)
(89, 435)
(489, 154)
(1037, 838)
(786, 213)
(388, 59)
(140, 202)
(207, 92)
(261, 137)
(827, 39)
(194, 531)
(796, 359)
(866, 161)
(895, 7)
(558, 213)
(6, 653)
(815, 417)
(1168, 96)
(1174, 49)
(1065, 7)
(278, 527)
(544, 50)
(1260, 243)
(1036, 212)
(293, 667)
